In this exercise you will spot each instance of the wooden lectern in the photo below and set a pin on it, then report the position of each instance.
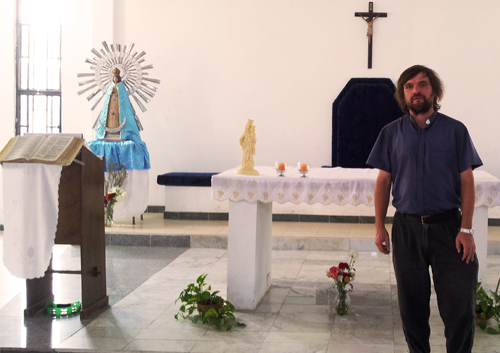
(81, 222)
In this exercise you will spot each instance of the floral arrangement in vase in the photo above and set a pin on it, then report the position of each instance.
(113, 191)
(343, 275)
(112, 197)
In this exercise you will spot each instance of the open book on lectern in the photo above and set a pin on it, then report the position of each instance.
(59, 149)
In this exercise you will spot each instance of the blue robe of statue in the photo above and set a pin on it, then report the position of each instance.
(131, 153)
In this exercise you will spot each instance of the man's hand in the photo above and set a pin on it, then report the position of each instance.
(382, 241)
(468, 195)
(466, 241)
(382, 195)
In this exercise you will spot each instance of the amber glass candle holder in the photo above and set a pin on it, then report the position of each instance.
(303, 169)
(280, 168)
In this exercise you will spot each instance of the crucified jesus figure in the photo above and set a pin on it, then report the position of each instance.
(369, 32)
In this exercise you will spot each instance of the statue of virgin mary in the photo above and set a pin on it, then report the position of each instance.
(119, 141)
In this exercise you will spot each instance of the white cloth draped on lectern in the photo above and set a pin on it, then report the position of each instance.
(31, 208)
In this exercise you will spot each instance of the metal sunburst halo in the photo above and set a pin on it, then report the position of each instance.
(131, 72)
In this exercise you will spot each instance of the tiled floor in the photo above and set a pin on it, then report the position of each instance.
(295, 315)
(154, 223)
(286, 235)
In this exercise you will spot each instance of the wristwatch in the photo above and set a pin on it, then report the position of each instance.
(467, 231)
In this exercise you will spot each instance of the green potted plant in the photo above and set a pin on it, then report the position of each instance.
(207, 306)
(488, 307)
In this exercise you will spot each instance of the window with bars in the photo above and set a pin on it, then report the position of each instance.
(38, 60)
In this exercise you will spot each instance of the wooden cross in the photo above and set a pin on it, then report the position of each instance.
(370, 17)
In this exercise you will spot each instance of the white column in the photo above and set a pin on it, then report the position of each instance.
(249, 253)
(480, 225)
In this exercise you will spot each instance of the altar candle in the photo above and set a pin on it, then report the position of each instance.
(281, 166)
(303, 167)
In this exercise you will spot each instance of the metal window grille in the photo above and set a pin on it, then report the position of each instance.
(38, 66)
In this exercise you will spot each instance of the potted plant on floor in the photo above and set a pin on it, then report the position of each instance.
(488, 307)
(207, 305)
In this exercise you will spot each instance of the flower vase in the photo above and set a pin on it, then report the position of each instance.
(108, 215)
(342, 303)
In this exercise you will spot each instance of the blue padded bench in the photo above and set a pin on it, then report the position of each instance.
(188, 196)
(185, 179)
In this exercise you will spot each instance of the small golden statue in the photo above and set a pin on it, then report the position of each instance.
(247, 143)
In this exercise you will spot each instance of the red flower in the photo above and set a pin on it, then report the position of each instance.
(108, 198)
(344, 266)
(334, 271)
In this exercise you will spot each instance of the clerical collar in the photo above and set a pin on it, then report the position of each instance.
(428, 122)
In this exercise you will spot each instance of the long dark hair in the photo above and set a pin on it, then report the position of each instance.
(411, 72)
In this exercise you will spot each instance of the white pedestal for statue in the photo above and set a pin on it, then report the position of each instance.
(249, 253)
(135, 202)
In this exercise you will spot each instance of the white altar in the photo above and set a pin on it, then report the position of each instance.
(250, 216)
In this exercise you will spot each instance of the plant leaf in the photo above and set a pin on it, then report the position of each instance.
(210, 313)
(492, 331)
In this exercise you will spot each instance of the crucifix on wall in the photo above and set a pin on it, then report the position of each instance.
(370, 17)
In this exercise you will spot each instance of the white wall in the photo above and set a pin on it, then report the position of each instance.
(283, 62)
(7, 79)
(77, 33)
(279, 62)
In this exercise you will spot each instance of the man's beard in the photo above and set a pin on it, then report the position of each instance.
(422, 107)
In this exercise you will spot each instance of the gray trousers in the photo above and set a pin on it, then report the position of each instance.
(417, 246)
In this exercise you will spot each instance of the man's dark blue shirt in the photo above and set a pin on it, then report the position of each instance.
(425, 164)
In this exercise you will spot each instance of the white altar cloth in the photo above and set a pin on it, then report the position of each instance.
(487, 189)
(250, 215)
(31, 208)
(350, 186)
(338, 185)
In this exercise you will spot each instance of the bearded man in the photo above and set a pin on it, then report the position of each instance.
(428, 158)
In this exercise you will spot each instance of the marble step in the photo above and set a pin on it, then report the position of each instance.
(279, 242)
